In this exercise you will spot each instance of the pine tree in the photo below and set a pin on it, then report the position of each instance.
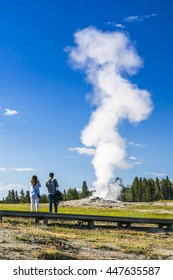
(85, 190)
(145, 189)
(140, 193)
(44, 198)
(151, 189)
(72, 194)
(158, 195)
(168, 187)
(135, 186)
(13, 199)
(16, 197)
(27, 197)
(64, 195)
(22, 196)
(8, 198)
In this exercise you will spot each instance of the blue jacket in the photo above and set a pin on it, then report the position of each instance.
(35, 190)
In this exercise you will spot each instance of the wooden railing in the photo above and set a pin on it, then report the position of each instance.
(89, 219)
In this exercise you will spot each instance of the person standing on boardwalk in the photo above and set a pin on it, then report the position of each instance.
(34, 192)
(52, 186)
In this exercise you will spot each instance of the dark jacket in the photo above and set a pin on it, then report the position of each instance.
(52, 185)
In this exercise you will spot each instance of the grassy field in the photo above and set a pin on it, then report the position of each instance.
(130, 210)
(22, 239)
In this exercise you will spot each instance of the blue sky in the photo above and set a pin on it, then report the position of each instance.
(43, 104)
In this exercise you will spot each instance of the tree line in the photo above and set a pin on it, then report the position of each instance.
(13, 197)
(141, 190)
(147, 190)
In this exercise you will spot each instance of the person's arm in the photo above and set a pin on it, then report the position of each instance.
(38, 187)
(56, 184)
(31, 188)
(47, 184)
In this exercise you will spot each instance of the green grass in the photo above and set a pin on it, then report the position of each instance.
(22, 207)
(126, 211)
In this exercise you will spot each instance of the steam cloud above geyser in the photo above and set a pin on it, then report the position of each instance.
(106, 57)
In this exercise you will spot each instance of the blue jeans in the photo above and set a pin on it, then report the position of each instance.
(52, 199)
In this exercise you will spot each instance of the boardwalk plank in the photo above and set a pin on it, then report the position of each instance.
(90, 219)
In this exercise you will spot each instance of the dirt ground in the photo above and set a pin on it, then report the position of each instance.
(17, 243)
(26, 241)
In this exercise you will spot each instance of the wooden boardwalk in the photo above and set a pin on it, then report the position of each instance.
(89, 219)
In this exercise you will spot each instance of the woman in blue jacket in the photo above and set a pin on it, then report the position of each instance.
(34, 192)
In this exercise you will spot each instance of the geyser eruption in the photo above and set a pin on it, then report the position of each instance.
(107, 58)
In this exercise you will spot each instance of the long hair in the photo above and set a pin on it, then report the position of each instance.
(34, 180)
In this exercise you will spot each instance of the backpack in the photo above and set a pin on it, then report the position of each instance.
(58, 195)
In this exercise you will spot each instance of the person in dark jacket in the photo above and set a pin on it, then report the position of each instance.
(52, 186)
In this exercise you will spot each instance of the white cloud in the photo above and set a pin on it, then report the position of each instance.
(139, 18)
(119, 25)
(4, 187)
(137, 163)
(139, 145)
(9, 112)
(156, 174)
(133, 158)
(133, 18)
(3, 169)
(136, 144)
(83, 150)
(113, 23)
(23, 169)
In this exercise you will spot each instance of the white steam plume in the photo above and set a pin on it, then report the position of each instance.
(106, 57)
